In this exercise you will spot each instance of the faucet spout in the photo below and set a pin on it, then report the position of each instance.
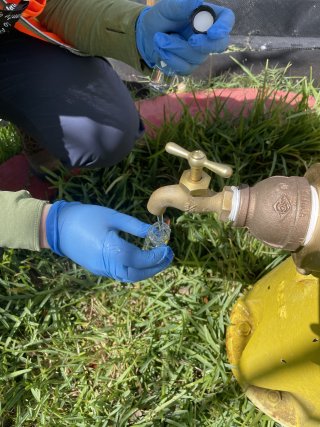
(176, 196)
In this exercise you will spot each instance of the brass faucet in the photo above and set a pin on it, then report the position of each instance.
(282, 212)
(192, 194)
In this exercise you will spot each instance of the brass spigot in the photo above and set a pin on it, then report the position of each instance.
(192, 194)
(282, 212)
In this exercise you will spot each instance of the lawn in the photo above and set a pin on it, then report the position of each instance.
(78, 350)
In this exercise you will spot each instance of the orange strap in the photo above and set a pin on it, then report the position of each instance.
(34, 9)
(42, 31)
(30, 25)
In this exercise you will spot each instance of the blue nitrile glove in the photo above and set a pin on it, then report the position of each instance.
(165, 38)
(88, 235)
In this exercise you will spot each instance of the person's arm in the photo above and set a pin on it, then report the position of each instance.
(97, 27)
(144, 37)
(43, 241)
(86, 234)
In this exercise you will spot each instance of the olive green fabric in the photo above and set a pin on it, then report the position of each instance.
(20, 217)
(97, 27)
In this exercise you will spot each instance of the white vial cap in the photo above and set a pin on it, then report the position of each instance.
(202, 21)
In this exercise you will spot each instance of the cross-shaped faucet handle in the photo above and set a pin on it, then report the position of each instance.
(197, 161)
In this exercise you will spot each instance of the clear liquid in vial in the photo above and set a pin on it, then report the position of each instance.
(158, 234)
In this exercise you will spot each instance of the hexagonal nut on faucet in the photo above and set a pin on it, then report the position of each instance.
(202, 184)
(226, 205)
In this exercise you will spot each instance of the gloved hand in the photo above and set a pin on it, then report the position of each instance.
(88, 235)
(165, 38)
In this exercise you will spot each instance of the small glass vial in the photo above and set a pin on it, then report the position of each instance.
(158, 234)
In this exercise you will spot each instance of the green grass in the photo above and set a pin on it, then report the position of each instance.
(10, 142)
(79, 350)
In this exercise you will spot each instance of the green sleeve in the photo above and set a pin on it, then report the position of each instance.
(20, 217)
(97, 27)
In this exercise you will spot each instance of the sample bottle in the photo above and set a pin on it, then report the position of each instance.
(158, 234)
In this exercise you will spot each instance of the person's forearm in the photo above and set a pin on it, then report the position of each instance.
(42, 230)
(97, 27)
